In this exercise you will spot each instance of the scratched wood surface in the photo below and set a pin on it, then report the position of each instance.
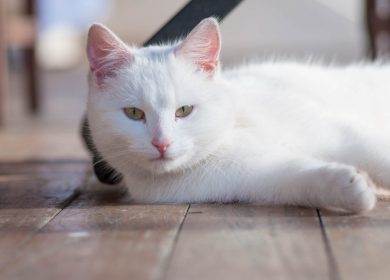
(29, 199)
(360, 244)
(50, 231)
(101, 238)
(245, 242)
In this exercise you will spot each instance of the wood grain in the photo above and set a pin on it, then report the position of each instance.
(249, 242)
(33, 140)
(360, 243)
(28, 203)
(101, 237)
(43, 167)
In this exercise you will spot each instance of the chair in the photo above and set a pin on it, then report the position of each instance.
(378, 25)
(18, 32)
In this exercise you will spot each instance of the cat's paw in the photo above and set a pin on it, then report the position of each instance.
(352, 189)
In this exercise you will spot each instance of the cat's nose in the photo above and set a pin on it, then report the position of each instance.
(161, 145)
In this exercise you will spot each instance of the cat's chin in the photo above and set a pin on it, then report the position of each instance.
(164, 165)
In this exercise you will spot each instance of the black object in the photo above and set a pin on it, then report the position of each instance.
(190, 15)
(181, 24)
(103, 171)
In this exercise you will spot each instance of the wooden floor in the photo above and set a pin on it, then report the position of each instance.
(50, 231)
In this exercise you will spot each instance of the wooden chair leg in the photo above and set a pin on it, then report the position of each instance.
(378, 28)
(3, 64)
(32, 81)
(31, 67)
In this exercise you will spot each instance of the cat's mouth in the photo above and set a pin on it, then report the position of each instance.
(161, 159)
(165, 164)
(161, 165)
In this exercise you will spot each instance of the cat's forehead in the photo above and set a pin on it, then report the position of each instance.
(156, 79)
(151, 81)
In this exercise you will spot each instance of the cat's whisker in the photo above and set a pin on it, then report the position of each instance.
(111, 157)
(123, 149)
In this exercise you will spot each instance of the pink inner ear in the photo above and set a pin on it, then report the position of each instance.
(106, 64)
(106, 53)
(202, 46)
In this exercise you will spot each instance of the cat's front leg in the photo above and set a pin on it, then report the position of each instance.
(289, 179)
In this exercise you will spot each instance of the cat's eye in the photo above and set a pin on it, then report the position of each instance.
(184, 111)
(134, 113)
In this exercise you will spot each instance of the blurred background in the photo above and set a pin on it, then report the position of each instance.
(43, 66)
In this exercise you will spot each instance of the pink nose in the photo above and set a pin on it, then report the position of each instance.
(161, 145)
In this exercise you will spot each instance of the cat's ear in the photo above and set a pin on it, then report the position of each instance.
(202, 46)
(106, 52)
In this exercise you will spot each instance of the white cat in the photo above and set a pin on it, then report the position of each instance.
(180, 130)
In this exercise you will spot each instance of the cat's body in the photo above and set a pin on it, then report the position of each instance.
(274, 133)
(316, 110)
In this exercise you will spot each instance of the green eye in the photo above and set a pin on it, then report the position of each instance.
(184, 111)
(134, 113)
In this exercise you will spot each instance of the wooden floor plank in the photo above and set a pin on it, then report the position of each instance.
(28, 202)
(360, 243)
(249, 242)
(101, 236)
(43, 167)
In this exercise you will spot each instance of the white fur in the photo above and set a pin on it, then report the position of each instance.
(273, 133)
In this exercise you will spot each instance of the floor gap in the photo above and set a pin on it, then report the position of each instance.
(64, 204)
(168, 261)
(332, 264)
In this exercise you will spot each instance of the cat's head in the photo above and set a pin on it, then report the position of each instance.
(161, 108)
